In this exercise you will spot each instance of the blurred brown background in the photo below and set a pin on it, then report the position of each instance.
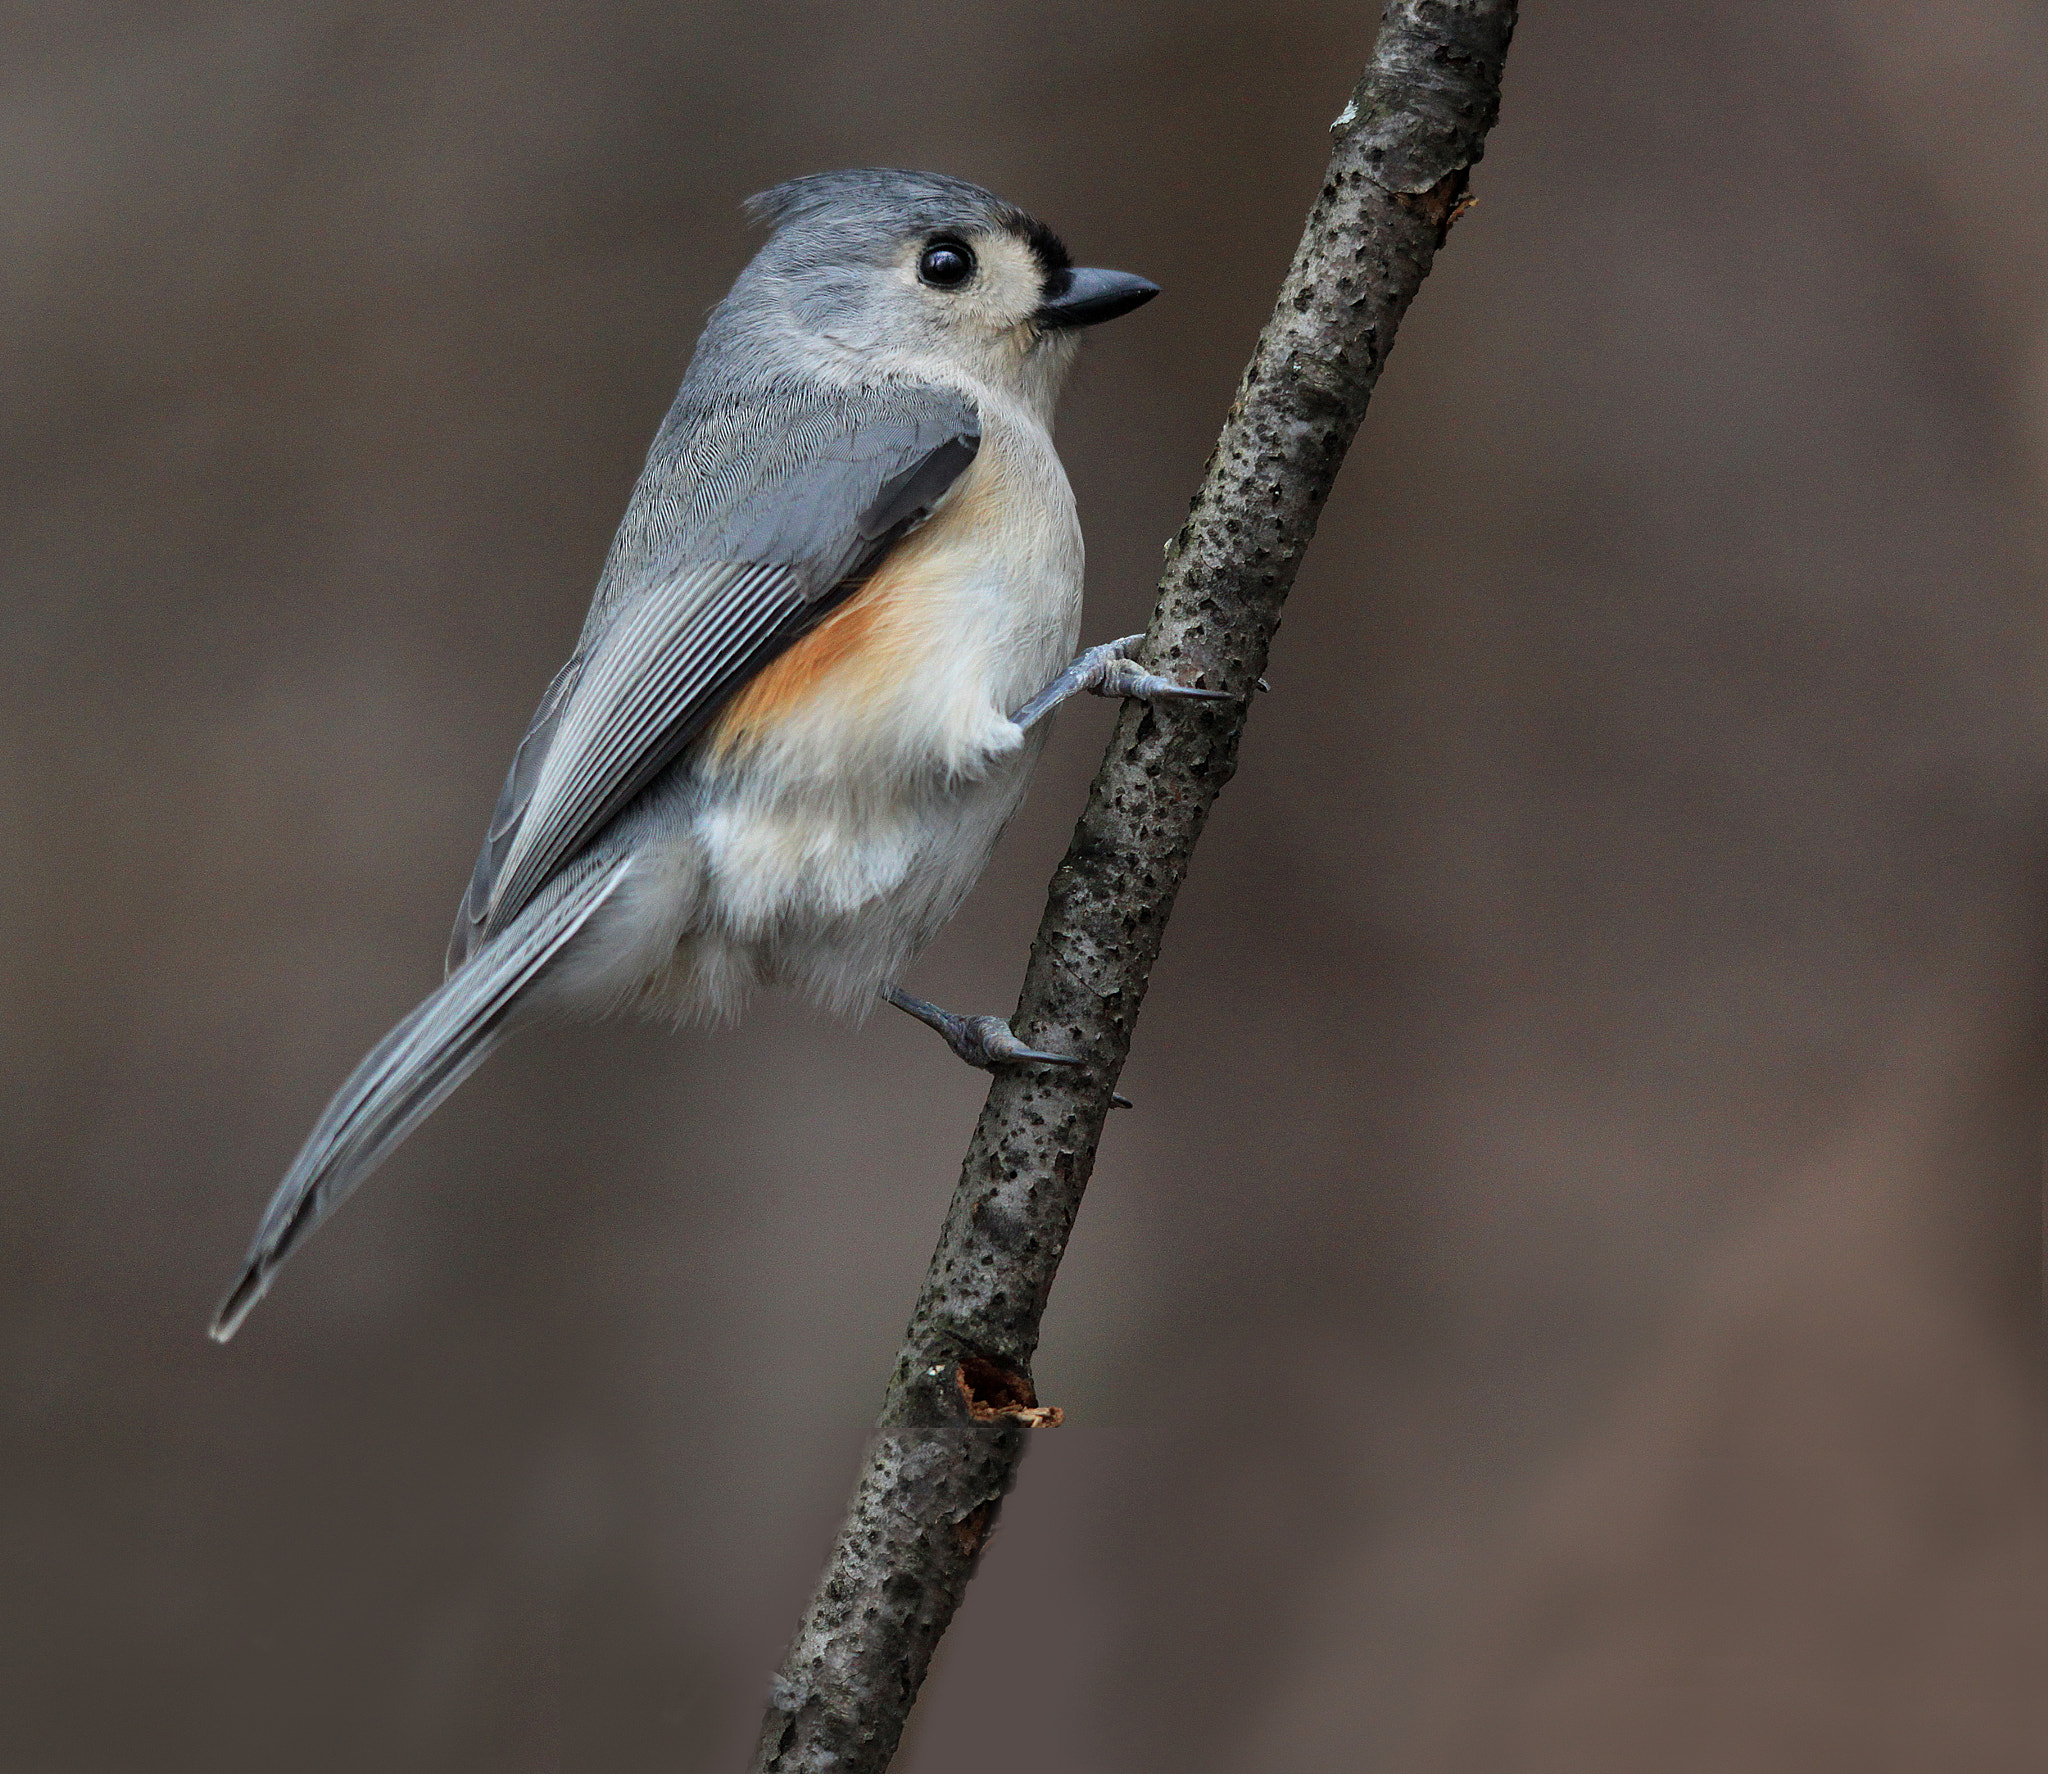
(1566, 1299)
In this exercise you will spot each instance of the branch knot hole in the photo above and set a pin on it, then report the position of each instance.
(996, 1393)
(1442, 204)
(970, 1532)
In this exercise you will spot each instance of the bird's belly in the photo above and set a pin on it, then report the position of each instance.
(849, 798)
(832, 893)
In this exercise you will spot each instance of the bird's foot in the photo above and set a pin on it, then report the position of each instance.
(1109, 670)
(983, 1041)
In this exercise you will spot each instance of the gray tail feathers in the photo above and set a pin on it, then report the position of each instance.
(408, 1073)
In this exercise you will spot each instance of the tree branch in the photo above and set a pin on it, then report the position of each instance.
(961, 1402)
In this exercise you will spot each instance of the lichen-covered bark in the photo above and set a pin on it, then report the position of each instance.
(960, 1403)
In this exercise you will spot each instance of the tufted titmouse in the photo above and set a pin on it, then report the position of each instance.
(810, 689)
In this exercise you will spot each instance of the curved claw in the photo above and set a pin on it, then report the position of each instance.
(987, 1042)
(1124, 677)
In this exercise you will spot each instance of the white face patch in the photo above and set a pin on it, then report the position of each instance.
(999, 299)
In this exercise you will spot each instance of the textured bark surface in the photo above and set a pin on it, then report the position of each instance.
(953, 1424)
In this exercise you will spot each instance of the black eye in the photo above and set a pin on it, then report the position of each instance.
(946, 264)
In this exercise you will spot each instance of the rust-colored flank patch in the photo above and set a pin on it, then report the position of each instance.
(776, 690)
(872, 638)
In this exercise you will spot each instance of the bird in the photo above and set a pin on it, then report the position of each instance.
(813, 681)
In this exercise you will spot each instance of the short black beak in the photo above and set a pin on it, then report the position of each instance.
(1087, 298)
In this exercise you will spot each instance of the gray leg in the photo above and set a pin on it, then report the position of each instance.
(987, 1041)
(1107, 671)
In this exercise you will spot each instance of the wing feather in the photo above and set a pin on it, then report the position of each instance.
(649, 688)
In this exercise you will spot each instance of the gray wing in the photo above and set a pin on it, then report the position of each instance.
(749, 525)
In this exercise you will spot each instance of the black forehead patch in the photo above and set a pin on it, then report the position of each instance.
(1046, 246)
